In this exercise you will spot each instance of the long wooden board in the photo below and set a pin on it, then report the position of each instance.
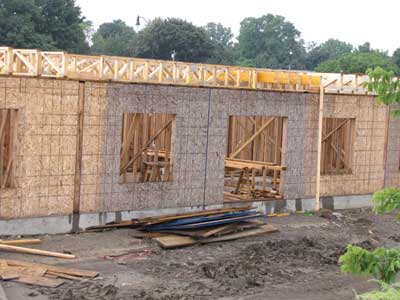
(175, 241)
(20, 242)
(34, 251)
(243, 234)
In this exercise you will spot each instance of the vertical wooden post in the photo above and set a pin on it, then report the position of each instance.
(9, 61)
(283, 153)
(78, 158)
(64, 64)
(320, 119)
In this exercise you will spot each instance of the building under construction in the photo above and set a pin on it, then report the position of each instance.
(93, 134)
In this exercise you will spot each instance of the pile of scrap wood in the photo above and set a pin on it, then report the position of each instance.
(172, 231)
(40, 274)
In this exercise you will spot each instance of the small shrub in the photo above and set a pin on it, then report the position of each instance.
(386, 200)
(387, 292)
(381, 263)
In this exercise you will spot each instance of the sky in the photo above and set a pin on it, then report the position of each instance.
(353, 21)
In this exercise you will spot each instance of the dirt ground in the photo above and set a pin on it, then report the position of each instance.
(297, 263)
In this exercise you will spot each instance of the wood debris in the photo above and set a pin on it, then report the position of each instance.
(40, 274)
(201, 227)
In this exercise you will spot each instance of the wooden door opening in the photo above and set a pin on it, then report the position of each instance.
(146, 147)
(253, 165)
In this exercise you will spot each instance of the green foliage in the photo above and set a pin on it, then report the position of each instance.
(396, 57)
(64, 22)
(22, 25)
(383, 83)
(161, 37)
(270, 42)
(115, 38)
(386, 200)
(45, 24)
(387, 292)
(329, 50)
(309, 213)
(222, 40)
(357, 62)
(381, 263)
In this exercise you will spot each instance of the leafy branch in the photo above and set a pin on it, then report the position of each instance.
(386, 85)
(386, 201)
(381, 263)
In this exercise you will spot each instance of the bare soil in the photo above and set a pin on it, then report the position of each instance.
(297, 263)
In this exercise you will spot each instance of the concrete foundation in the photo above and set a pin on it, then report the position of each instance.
(64, 224)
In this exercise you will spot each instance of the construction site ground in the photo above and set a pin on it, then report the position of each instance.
(297, 263)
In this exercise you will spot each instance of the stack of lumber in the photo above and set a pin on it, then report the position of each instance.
(40, 274)
(203, 227)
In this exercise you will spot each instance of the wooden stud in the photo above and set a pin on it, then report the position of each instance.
(320, 119)
(79, 146)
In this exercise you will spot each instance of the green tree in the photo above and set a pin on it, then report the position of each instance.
(115, 38)
(222, 41)
(64, 22)
(382, 263)
(22, 25)
(270, 42)
(329, 50)
(396, 57)
(357, 62)
(45, 24)
(365, 48)
(161, 37)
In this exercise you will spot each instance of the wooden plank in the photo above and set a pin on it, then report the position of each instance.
(247, 233)
(8, 273)
(62, 275)
(20, 242)
(231, 163)
(21, 271)
(174, 241)
(51, 268)
(78, 156)
(34, 251)
(319, 153)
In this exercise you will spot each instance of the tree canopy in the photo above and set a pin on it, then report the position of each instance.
(222, 41)
(357, 62)
(45, 24)
(329, 50)
(115, 38)
(161, 37)
(396, 57)
(270, 42)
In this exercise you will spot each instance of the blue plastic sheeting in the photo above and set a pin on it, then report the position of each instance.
(192, 220)
(205, 224)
